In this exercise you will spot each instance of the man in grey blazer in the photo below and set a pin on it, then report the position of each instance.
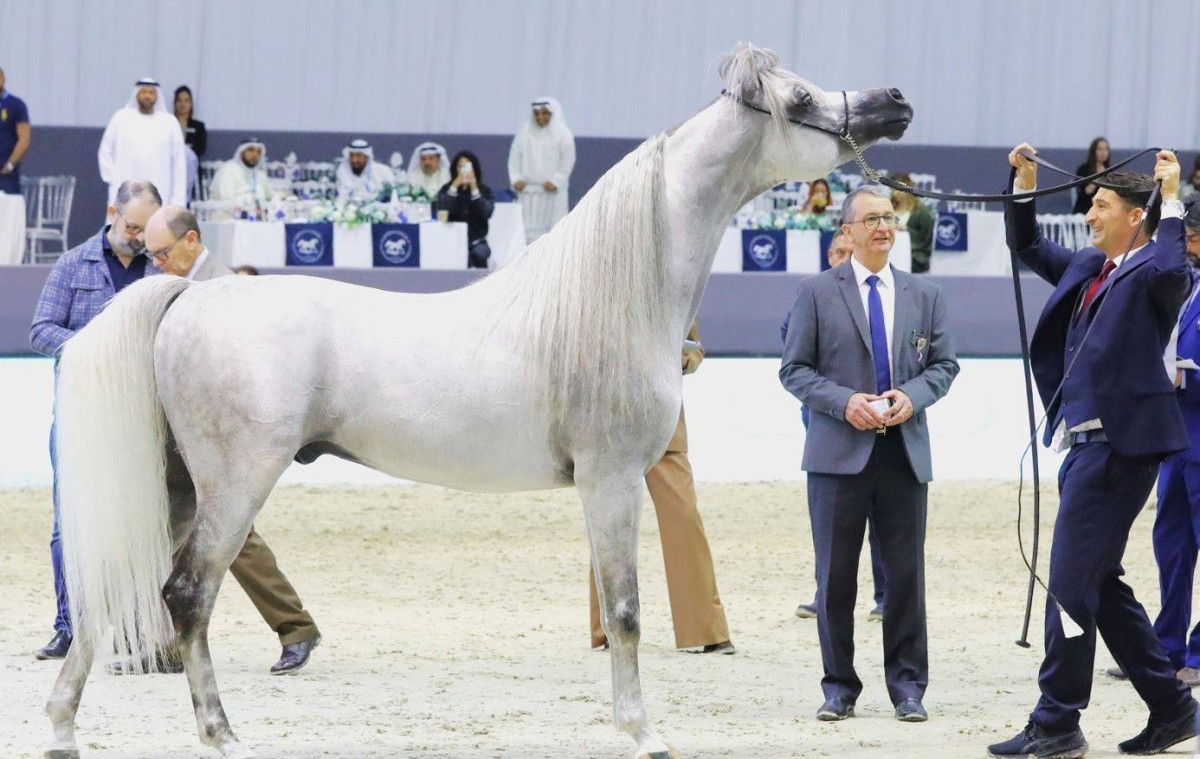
(173, 244)
(867, 351)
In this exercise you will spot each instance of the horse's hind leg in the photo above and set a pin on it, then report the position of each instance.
(64, 699)
(226, 506)
(612, 506)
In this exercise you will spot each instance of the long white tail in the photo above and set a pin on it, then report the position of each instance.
(111, 446)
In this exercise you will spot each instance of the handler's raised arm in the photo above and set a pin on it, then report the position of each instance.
(1026, 169)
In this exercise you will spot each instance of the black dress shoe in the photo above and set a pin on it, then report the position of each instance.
(1034, 741)
(57, 647)
(719, 648)
(164, 664)
(835, 710)
(1160, 736)
(911, 710)
(295, 655)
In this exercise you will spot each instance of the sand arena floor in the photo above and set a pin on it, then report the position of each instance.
(455, 625)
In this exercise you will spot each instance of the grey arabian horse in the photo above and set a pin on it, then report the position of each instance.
(574, 380)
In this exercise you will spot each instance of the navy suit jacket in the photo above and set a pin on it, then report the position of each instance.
(1189, 394)
(1122, 357)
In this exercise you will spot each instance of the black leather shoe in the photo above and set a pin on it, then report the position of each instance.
(164, 664)
(835, 710)
(295, 656)
(1034, 741)
(1160, 736)
(719, 648)
(911, 710)
(57, 647)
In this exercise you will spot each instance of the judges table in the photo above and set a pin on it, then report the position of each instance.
(436, 245)
(12, 229)
(792, 250)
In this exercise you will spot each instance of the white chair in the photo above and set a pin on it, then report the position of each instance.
(51, 217)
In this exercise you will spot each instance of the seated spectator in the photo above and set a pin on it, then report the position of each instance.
(466, 198)
(1191, 186)
(1097, 160)
(819, 198)
(243, 178)
(428, 169)
(360, 177)
(917, 219)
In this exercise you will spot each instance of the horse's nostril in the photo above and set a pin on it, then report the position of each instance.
(896, 95)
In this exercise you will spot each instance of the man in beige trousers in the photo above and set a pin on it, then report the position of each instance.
(696, 610)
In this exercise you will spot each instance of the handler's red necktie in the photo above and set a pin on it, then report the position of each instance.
(1094, 287)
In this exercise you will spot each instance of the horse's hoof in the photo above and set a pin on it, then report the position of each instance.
(62, 753)
(670, 753)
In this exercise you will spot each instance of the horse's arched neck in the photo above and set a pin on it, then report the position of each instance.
(711, 162)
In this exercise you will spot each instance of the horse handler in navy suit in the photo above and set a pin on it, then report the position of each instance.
(1177, 521)
(867, 352)
(1118, 415)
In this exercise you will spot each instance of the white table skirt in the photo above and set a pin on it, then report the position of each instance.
(12, 229)
(261, 244)
(803, 252)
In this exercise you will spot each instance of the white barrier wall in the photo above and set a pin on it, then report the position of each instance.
(743, 426)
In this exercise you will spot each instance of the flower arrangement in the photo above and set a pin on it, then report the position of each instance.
(352, 214)
(783, 218)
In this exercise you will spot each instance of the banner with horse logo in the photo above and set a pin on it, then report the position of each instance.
(309, 244)
(396, 245)
(764, 250)
(950, 234)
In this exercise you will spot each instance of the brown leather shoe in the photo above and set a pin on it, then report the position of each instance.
(295, 656)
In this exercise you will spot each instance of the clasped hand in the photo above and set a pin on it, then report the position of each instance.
(861, 416)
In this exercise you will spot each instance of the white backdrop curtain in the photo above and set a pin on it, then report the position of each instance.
(979, 72)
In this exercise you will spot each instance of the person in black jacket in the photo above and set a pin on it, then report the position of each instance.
(195, 136)
(466, 198)
(1098, 160)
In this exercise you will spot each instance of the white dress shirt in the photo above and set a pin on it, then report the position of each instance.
(197, 263)
(887, 296)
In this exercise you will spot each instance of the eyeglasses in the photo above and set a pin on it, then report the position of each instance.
(161, 255)
(873, 221)
(132, 229)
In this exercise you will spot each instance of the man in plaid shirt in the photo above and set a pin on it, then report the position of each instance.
(81, 282)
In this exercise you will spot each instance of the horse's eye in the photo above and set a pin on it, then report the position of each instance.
(803, 98)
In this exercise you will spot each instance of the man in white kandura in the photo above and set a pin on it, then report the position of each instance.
(428, 168)
(359, 176)
(243, 179)
(539, 166)
(143, 141)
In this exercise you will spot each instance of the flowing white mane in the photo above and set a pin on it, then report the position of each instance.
(589, 298)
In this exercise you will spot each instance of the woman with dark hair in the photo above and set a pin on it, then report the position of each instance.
(195, 136)
(466, 198)
(1097, 160)
(819, 197)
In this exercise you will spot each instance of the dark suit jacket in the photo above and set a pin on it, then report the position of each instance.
(1122, 357)
(827, 359)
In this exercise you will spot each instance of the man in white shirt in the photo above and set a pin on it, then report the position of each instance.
(428, 169)
(540, 162)
(867, 351)
(359, 176)
(143, 141)
(243, 179)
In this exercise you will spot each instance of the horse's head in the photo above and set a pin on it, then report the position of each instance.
(810, 124)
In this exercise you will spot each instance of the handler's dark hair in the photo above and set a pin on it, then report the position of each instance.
(1134, 188)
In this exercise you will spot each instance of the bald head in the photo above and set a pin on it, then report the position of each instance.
(173, 240)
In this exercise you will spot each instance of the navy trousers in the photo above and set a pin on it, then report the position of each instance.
(1176, 541)
(887, 493)
(62, 621)
(1100, 494)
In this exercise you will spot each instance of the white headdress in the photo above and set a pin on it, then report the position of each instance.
(427, 148)
(251, 142)
(358, 146)
(159, 105)
(558, 121)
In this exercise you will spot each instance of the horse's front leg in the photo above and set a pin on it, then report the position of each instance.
(64, 699)
(612, 505)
